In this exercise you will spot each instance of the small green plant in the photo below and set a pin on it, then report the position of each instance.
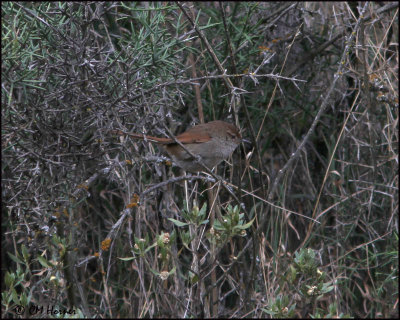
(17, 293)
(280, 308)
(309, 282)
(333, 313)
(232, 224)
(194, 217)
(305, 271)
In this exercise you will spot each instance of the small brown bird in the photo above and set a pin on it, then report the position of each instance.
(213, 141)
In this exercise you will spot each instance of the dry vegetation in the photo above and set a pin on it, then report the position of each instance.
(302, 224)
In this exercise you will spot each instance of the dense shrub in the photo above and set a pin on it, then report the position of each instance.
(302, 223)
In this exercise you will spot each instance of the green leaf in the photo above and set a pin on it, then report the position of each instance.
(25, 253)
(268, 311)
(15, 296)
(15, 259)
(172, 271)
(194, 279)
(246, 226)
(178, 223)
(155, 272)
(127, 259)
(24, 299)
(218, 226)
(203, 210)
(5, 298)
(152, 246)
(327, 289)
(9, 279)
(43, 261)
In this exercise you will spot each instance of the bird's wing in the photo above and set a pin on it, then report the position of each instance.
(194, 135)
